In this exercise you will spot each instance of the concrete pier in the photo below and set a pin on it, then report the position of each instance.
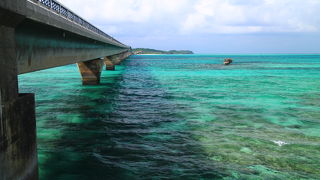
(91, 71)
(18, 147)
(109, 64)
(117, 59)
(113, 60)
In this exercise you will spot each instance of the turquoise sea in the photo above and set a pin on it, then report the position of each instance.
(181, 117)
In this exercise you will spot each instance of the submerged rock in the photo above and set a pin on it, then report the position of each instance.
(227, 61)
(246, 150)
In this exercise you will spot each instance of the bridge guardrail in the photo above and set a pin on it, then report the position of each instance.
(58, 8)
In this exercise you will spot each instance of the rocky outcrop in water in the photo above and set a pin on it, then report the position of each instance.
(227, 61)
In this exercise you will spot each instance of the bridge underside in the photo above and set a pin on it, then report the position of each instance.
(27, 46)
(40, 46)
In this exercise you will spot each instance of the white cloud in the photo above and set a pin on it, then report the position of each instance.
(213, 16)
(200, 16)
(230, 16)
(137, 11)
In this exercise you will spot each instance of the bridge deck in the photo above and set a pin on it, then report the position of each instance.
(51, 35)
(53, 13)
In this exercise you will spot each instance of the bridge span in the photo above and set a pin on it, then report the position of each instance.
(36, 35)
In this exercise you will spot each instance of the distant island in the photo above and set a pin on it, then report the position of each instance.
(154, 51)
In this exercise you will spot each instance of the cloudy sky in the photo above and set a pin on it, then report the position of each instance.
(208, 26)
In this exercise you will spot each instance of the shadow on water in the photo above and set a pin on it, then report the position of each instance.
(113, 131)
(237, 114)
(172, 118)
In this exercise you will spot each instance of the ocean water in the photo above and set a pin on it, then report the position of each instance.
(181, 117)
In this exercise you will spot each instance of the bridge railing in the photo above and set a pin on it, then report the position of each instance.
(58, 8)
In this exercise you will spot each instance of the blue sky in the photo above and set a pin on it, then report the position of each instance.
(208, 26)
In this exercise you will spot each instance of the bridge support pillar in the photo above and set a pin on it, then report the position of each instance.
(18, 147)
(91, 71)
(109, 64)
(117, 59)
(111, 61)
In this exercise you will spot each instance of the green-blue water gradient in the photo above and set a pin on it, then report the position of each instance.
(181, 117)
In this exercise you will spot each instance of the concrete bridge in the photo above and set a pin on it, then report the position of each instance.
(36, 35)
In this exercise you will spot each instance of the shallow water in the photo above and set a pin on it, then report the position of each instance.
(181, 117)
